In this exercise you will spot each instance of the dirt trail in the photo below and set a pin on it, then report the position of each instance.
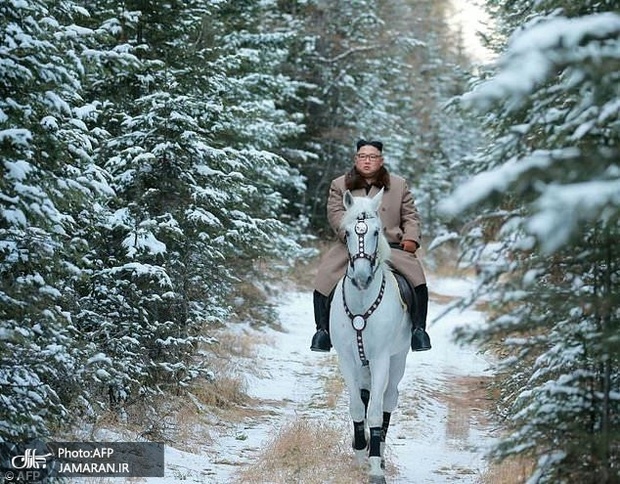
(299, 408)
(440, 426)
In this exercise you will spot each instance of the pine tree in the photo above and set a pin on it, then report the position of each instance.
(49, 179)
(550, 183)
(193, 151)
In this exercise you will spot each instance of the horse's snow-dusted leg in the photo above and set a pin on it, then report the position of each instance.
(359, 436)
(386, 424)
(360, 444)
(357, 408)
(397, 370)
(375, 441)
(384, 429)
(365, 394)
(379, 382)
(358, 415)
(374, 459)
(348, 367)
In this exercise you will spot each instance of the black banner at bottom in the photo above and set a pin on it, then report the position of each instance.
(38, 461)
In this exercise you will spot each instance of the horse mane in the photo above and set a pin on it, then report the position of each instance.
(363, 206)
(383, 252)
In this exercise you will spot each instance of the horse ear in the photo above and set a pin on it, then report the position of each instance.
(347, 199)
(376, 200)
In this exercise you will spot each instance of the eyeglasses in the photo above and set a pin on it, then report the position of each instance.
(364, 157)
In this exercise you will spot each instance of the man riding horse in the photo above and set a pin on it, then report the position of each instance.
(401, 225)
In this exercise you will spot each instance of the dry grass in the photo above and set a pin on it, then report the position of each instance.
(174, 420)
(334, 385)
(184, 418)
(231, 346)
(444, 261)
(441, 298)
(181, 420)
(251, 302)
(469, 403)
(227, 389)
(510, 471)
(223, 392)
(471, 400)
(306, 451)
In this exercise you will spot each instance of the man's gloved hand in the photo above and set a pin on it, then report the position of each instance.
(409, 246)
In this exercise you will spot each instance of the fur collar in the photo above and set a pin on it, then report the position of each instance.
(353, 180)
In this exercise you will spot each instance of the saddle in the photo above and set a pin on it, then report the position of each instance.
(407, 296)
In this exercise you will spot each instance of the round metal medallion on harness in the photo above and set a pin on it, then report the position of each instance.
(361, 228)
(359, 323)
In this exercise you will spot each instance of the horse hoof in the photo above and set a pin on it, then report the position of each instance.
(376, 473)
(360, 456)
(376, 480)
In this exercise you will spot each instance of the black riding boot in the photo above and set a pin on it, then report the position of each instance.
(420, 340)
(320, 340)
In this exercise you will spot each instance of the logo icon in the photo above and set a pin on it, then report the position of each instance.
(30, 460)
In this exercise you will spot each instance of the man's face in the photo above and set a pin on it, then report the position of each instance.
(368, 161)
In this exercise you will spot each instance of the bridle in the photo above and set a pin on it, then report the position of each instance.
(361, 228)
(358, 321)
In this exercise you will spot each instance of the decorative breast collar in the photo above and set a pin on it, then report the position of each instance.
(358, 321)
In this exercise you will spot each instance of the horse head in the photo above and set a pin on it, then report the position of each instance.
(366, 244)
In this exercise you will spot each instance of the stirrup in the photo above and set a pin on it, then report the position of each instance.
(321, 341)
(420, 340)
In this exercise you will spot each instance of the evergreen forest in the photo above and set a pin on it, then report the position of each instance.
(156, 155)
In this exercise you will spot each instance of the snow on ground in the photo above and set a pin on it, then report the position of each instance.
(429, 441)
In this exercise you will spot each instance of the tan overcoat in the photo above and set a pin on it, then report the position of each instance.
(400, 219)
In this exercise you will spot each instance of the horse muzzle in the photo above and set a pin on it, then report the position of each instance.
(362, 274)
(361, 282)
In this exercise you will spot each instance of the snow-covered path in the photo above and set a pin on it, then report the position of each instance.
(437, 434)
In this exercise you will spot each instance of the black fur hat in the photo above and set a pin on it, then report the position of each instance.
(376, 144)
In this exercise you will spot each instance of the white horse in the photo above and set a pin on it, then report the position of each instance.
(370, 330)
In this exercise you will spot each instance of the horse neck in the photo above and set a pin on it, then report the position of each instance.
(358, 300)
(383, 252)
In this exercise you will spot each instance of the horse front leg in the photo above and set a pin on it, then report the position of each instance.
(390, 397)
(360, 428)
(379, 372)
(360, 443)
(357, 407)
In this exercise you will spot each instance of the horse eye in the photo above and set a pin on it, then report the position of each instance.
(376, 233)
